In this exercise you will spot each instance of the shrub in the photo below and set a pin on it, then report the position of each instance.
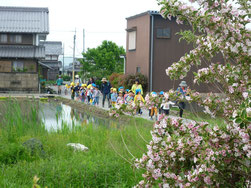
(196, 154)
(11, 153)
(117, 79)
(129, 80)
(66, 78)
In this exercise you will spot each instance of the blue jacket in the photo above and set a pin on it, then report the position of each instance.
(105, 88)
(179, 89)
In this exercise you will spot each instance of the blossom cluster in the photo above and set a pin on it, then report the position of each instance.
(194, 154)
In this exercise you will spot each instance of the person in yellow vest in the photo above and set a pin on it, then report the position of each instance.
(154, 107)
(72, 91)
(138, 100)
(136, 86)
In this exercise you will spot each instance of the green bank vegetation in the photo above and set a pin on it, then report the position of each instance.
(107, 163)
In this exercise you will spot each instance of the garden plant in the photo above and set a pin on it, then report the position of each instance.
(199, 154)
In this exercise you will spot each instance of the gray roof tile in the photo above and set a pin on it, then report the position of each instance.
(24, 20)
(22, 51)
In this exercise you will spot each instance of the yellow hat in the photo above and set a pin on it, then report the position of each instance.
(66, 85)
(114, 89)
(84, 85)
(89, 86)
(72, 84)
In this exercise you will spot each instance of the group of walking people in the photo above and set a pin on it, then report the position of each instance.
(91, 93)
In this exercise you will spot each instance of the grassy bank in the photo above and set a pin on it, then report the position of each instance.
(106, 164)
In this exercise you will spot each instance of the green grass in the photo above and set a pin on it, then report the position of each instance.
(201, 116)
(106, 164)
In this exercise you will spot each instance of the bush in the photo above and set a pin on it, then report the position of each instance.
(129, 80)
(117, 80)
(196, 154)
(11, 153)
(66, 78)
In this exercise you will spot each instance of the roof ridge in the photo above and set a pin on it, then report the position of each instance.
(26, 9)
(150, 12)
(44, 42)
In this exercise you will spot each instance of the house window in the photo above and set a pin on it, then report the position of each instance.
(137, 69)
(15, 39)
(18, 66)
(47, 57)
(54, 57)
(132, 40)
(164, 33)
(12, 38)
(3, 38)
(18, 38)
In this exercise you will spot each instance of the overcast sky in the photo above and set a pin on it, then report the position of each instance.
(101, 19)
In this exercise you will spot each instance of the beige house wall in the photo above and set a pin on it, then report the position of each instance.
(27, 82)
(7, 64)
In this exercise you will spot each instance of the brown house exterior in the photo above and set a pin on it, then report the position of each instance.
(152, 46)
(21, 30)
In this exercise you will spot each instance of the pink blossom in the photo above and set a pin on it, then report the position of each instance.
(245, 95)
(208, 180)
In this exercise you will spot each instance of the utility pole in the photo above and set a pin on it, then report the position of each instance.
(83, 40)
(73, 63)
(63, 59)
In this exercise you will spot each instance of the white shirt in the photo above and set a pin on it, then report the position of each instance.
(166, 105)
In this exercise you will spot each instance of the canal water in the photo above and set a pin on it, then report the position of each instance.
(55, 115)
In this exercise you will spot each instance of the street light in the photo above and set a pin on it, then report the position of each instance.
(124, 57)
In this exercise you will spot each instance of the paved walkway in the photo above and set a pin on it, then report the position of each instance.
(145, 114)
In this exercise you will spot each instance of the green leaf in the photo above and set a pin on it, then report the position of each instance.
(238, 120)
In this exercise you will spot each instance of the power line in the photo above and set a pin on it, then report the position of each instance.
(90, 32)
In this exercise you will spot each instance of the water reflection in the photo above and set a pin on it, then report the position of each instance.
(56, 115)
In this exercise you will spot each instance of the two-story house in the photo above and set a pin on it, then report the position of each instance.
(21, 30)
(153, 45)
(53, 49)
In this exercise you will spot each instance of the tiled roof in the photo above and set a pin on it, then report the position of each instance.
(22, 51)
(53, 64)
(149, 12)
(24, 20)
(52, 47)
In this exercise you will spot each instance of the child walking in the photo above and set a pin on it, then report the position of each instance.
(83, 92)
(96, 94)
(162, 98)
(154, 108)
(114, 96)
(166, 105)
(89, 93)
(120, 99)
(72, 91)
(130, 97)
(138, 100)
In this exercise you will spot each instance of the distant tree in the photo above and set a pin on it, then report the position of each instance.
(102, 61)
